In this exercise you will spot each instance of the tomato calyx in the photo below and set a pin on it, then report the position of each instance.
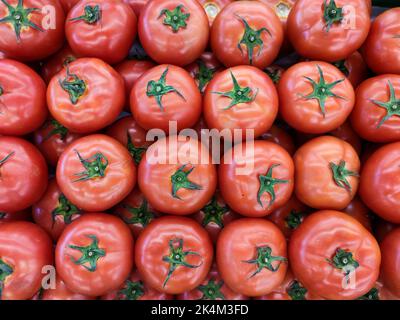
(139, 215)
(340, 174)
(392, 106)
(273, 73)
(267, 184)
(91, 15)
(296, 291)
(65, 209)
(204, 75)
(343, 260)
(132, 290)
(5, 271)
(176, 18)
(177, 257)
(332, 14)
(58, 129)
(136, 152)
(6, 158)
(294, 219)
(90, 254)
(372, 294)
(180, 180)
(73, 85)
(213, 212)
(95, 167)
(265, 259)
(211, 290)
(341, 65)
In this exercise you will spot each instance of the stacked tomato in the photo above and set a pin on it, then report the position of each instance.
(101, 199)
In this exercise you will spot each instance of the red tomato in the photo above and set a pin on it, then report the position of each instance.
(2, 55)
(24, 250)
(354, 68)
(346, 133)
(24, 215)
(359, 211)
(173, 254)
(22, 99)
(379, 292)
(390, 247)
(137, 5)
(61, 292)
(68, 4)
(281, 137)
(213, 8)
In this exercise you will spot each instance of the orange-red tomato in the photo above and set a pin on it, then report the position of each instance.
(213, 8)
(61, 292)
(354, 68)
(390, 247)
(280, 136)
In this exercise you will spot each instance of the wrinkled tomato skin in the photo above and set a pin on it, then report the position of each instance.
(26, 248)
(359, 211)
(23, 176)
(213, 8)
(159, 40)
(23, 215)
(98, 193)
(279, 136)
(153, 244)
(380, 181)
(61, 292)
(137, 5)
(390, 247)
(318, 238)
(22, 99)
(228, 30)
(382, 228)
(356, 69)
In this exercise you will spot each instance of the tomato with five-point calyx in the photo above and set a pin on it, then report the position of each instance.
(353, 67)
(61, 292)
(390, 248)
(174, 31)
(246, 33)
(359, 211)
(173, 254)
(94, 254)
(96, 172)
(280, 136)
(22, 215)
(86, 96)
(213, 8)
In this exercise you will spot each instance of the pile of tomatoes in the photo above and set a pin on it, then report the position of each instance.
(306, 207)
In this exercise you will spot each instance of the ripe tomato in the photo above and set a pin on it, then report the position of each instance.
(246, 33)
(95, 254)
(173, 254)
(61, 292)
(334, 256)
(380, 181)
(22, 99)
(2, 55)
(353, 67)
(328, 30)
(24, 250)
(68, 4)
(256, 180)
(359, 211)
(390, 247)
(137, 5)
(86, 96)
(31, 29)
(281, 137)
(213, 8)
(23, 215)
(165, 93)
(315, 97)
(378, 292)
(241, 97)
(91, 25)
(345, 132)
(376, 114)
(382, 48)
(23, 173)
(173, 31)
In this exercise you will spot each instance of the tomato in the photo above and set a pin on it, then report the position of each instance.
(315, 97)
(31, 29)
(281, 137)
(380, 181)
(91, 24)
(54, 211)
(256, 179)
(275, 73)
(173, 254)
(359, 211)
(22, 99)
(334, 256)
(68, 4)
(61, 292)
(382, 47)
(137, 5)
(24, 215)
(86, 96)
(213, 8)
(23, 173)
(378, 292)
(94, 254)
(328, 30)
(382, 228)
(376, 115)
(24, 250)
(165, 93)
(2, 55)
(346, 133)
(173, 31)
(242, 97)
(390, 247)
(354, 68)
(246, 33)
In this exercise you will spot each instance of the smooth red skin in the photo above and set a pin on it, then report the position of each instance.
(23, 177)
(155, 178)
(357, 68)
(239, 177)
(153, 244)
(381, 50)
(110, 38)
(162, 44)
(23, 102)
(346, 133)
(317, 239)
(257, 115)
(305, 115)
(237, 243)
(98, 107)
(359, 211)
(281, 137)
(97, 194)
(367, 115)
(390, 248)
(137, 5)
(42, 211)
(382, 228)
(68, 4)
(23, 215)
(61, 292)
(186, 112)
(228, 30)
(34, 44)
(27, 248)
(380, 181)
(307, 33)
(112, 269)
(213, 8)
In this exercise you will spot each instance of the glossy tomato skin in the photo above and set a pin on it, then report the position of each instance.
(308, 114)
(390, 247)
(230, 39)
(359, 211)
(155, 244)
(160, 40)
(327, 235)
(310, 36)
(24, 257)
(117, 21)
(380, 180)
(96, 105)
(213, 8)
(94, 189)
(22, 99)
(354, 68)
(316, 162)
(240, 172)
(61, 292)
(279, 136)
(23, 174)
(112, 245)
